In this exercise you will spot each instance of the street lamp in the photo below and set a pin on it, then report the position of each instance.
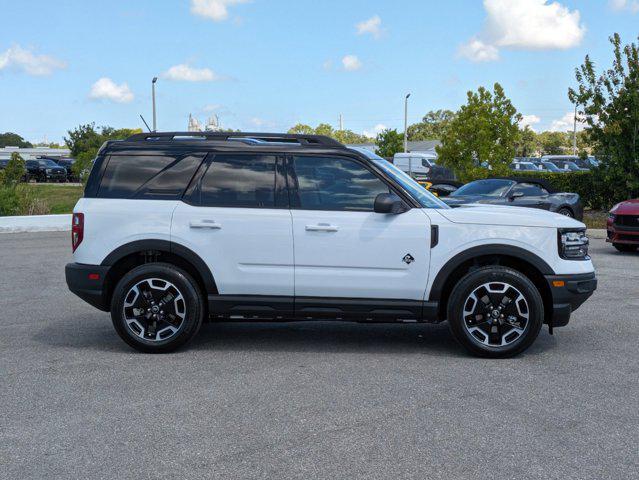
(406, 123)
(155, 79)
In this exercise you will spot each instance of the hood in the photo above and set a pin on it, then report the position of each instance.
(508, 216)
(629, 207)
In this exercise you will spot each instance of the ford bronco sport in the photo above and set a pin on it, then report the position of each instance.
(176, 229)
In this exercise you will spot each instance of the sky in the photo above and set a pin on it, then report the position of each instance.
(265, 65)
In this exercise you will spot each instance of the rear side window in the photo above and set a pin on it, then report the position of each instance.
(147, 176)
(233, 180)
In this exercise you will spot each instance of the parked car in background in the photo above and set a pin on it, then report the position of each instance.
(442, 188)
(623, 226)
(67, 164)
(422, 166)
(45, 170)
(567, 163)
(522, 192)
(548, 167)
(524, 167)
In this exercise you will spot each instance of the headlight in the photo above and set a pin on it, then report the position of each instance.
(612, 216)
(573, 244)
(49, 170)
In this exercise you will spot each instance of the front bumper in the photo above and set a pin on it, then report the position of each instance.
(622, 234)
(89, 282)
(569, 292)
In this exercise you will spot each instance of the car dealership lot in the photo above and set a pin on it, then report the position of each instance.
(309, 400)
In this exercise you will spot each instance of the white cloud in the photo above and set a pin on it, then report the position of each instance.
(525, 25)
(105, 88)
(477, 51)
(351, 63)
(216, 10)
(566, 123)
(380, 127)
(619, 5)
(186, 73)
(529, 121)
(373, 26)
(21, 59)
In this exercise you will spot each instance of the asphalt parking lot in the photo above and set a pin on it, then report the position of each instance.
(309, 400)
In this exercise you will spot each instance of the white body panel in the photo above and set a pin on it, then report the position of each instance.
(359, 254)
(412, 162)
(249, 250)
(110, 223)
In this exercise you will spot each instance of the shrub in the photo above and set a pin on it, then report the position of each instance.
(14, 171)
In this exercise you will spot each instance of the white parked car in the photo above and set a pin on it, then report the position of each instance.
(176, 229)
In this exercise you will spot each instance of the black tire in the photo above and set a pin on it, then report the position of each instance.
(193, 305)
(625, 248)
(474, 280)
(566, 211)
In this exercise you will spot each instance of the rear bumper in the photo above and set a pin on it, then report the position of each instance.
(89, 283)
(569, 295)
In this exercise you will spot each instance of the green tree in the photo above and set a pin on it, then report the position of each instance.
(432, 126)
(554, 143)
(482, 135)
(14, 171)
(344, 136)
(9, 139)
(526, 143)
(302, 128)
(609, 103)
(389, 142)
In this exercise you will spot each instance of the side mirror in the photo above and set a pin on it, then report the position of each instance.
(514, 195)
(389, 203)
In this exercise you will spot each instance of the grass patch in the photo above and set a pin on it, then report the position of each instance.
(59, 198)
(595, 218)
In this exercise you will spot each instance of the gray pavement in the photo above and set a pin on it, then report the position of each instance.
(317, 400)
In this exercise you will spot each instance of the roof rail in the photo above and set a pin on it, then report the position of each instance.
(304, 140)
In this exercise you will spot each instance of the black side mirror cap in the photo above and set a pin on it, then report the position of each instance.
(389, 203)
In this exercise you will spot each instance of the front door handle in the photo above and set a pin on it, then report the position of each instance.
(322, 227)
(212, 224)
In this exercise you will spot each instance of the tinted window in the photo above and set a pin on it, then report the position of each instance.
(326, 183)
(493, 188)
(145, 176)
(529, 189)
(239, 181)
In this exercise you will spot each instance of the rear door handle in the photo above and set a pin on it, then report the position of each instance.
(212, 224)
(322, 227)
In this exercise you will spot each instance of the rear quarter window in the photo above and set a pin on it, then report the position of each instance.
(148, 176)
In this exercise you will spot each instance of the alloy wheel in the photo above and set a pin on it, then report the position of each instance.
(154, 309)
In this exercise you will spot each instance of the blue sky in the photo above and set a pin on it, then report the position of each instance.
(267, 64)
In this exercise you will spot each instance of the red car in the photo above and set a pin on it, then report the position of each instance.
(623, 226)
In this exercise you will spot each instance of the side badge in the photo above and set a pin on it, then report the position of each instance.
(408, 259)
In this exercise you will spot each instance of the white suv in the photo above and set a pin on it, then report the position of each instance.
(176, 229)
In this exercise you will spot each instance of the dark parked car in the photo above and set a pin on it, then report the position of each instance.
(443, 188)
(567, 163)
(67, 163)
(521, 192)
(45, 170)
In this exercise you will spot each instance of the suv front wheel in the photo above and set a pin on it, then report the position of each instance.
(495, 312)
(157, 308)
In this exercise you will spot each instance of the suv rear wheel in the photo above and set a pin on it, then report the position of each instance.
(157, 308)
(495, 312)
(624, 247)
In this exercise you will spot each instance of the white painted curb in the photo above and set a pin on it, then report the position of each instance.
(35, 223)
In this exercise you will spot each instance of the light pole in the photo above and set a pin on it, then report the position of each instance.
(155, 126)
(406, 123)
(574, 133)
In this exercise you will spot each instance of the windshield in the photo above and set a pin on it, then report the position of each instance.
(491, 188)
(572, 166)
(419, 193)
(551, 166)
(48, 163)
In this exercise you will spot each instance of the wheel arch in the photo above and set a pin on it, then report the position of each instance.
(527, 263)
(139, 252)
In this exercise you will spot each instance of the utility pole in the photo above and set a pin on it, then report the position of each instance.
(155, 126)
(574, 133)
(406, 123)
(341, 122)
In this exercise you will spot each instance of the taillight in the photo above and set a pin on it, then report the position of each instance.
(77, 230)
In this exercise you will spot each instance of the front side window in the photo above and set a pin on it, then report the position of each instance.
(331, 183)
(491, 188)
(233, 180)
(529, 189)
